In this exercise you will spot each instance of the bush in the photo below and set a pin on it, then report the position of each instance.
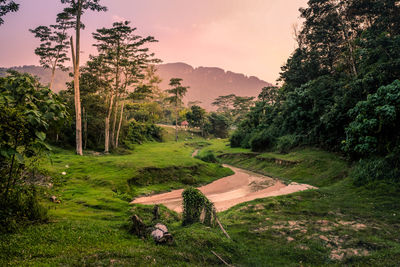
(207, 156)
(194, 203)
(376, 169)
(236, 138)
(143, 132)
(20, 207)
(261, 141)
(287, 142)
(27, 112)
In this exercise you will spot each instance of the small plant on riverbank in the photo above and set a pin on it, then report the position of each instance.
(207, 156)
(194, 204)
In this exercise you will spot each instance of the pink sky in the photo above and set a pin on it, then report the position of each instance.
(253, 37)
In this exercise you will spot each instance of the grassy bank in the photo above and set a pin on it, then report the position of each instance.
(336, 224)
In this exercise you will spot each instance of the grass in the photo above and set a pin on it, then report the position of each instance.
(327, 226)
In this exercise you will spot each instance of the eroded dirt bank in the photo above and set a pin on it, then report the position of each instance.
(240, 187)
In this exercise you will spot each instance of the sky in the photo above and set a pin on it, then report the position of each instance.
(253, 37)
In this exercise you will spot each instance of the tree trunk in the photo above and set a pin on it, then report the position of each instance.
(113, 136)
(85, 126)
(117, 96)
(176, 123)
(107, 126)
(78, 115)
(53, 72)
(120, 123)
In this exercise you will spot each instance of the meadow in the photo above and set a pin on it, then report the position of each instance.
(335, 224)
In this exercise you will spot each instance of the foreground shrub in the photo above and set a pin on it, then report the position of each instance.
(21, 206)
(27, 111)
(194, 203)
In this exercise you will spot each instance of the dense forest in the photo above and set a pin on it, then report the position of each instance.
(340, 89)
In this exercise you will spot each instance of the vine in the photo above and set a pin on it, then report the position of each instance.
(195, 204)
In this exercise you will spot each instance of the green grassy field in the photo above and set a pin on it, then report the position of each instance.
(333, 225)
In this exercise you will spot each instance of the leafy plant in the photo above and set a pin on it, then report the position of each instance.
(207, 156)
(375, 127)
(376, 169)
(27, 111)
(194, 203)
(287, 142)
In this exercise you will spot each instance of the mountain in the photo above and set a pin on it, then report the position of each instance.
(44, 75)
(205, 83)
(208, 83)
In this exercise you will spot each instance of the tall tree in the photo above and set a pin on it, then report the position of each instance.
(7, 6)
(76, 9)
(125, 55)
(54, 45)
(177, 92)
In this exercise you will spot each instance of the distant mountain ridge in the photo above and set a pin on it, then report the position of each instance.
(206, 83)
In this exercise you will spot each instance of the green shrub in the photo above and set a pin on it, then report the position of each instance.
(27, 112)
(143, 132)
(194, 203)
(376, 169)
(287, 142)
(261, 141)
(21, 206)
(207, 156)
(236, 138)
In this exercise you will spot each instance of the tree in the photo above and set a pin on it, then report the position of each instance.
(76, 9)
(7, 6)
(241, 106)
(375, 126)
(176, 94)
(219, 125)
(224, 103)
(27, 112)
(124, 54)
(196, 117)
(54, 45)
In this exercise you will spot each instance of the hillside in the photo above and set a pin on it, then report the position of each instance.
(208, 83)
(44, 75)
(205, 83)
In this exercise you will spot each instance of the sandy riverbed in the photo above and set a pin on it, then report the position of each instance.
(240, 187)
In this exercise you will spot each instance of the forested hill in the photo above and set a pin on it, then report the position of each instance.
(205, 83)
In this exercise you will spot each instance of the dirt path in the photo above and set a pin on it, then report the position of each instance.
(240, 187)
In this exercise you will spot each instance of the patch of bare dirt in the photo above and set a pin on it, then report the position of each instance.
(323, 231)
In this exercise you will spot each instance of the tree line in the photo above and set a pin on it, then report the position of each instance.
(340, 88)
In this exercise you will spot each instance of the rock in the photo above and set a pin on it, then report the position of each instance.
(161, 235)
(157, 234)
(162, 227)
